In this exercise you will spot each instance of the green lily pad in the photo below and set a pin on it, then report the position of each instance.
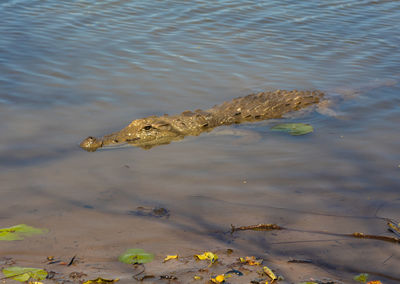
(23, 274)
(294, 128)
(363, 277)
(135, 256)
(18, 232)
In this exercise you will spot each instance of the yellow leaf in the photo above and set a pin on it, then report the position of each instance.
(250, 260)
(169, 257)
(363, 277)
(220, 278)
(393, 227)
(100, 280)
(270, 273)
(207, 256)
(197, 277)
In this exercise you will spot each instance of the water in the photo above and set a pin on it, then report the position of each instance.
(69, 69)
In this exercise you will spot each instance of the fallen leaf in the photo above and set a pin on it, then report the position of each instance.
(197, 277)
(270, 274)
(374, 282)
(18, 232)
(169, 257)
(220, 278)
(100, 280)
(234, 271)
(393, 227)
(250, 260)
(208, 256)
(76, 275)
(169, 277)
(294, 129)
(363, 277)
(23, 274)
(135, 256)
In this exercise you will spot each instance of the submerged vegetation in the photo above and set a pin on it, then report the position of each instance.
(19, 232)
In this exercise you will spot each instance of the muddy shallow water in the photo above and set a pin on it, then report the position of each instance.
(69, 70)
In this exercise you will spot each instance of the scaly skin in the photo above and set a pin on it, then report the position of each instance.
(157, 130)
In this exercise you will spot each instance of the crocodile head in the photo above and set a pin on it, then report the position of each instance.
(149, 132)
(145, 133)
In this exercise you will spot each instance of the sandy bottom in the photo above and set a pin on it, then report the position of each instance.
(96, 240)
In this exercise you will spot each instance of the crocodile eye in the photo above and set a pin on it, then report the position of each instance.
(147, 127)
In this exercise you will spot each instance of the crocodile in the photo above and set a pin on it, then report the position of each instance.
(158, 130)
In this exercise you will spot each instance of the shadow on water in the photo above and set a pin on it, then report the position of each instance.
(20, 158)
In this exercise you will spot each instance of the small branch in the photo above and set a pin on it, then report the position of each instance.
(258, 227)
(375, 237)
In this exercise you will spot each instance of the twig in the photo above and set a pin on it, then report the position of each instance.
(258, 227)
(270, 227)
(71, 261)
(375, 237)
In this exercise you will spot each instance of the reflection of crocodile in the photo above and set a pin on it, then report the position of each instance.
(157, 130)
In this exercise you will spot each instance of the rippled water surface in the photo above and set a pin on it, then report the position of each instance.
(69, 69)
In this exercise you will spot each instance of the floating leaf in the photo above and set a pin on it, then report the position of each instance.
(269, 272)
(250, 260)
(135, 256)
(169, 257)
(18, 232)
(208, 256)
(23, 274)
(363, 277)
(100, 280)
(294, 128)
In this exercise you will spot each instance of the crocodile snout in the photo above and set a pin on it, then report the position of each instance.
(91, 144)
